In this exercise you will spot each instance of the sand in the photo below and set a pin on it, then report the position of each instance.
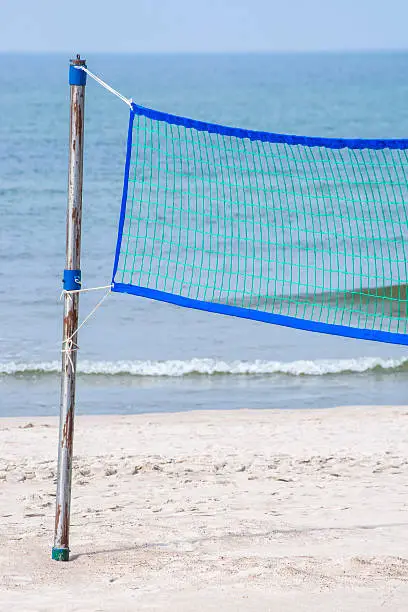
(224, 511)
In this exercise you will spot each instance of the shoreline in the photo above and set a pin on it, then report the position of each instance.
(302, 509)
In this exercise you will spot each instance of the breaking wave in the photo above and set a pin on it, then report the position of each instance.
(210, 367)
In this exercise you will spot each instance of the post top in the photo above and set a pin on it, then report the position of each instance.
(77, 61)
(77, 77)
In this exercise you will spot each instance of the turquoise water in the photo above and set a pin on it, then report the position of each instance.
(137, 355)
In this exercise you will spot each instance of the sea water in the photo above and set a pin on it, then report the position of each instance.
(137, 355)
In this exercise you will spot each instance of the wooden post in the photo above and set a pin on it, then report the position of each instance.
(71, 281)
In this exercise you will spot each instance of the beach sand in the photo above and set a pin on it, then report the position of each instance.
(221, 511)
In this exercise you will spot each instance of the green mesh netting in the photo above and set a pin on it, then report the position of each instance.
(303, 232)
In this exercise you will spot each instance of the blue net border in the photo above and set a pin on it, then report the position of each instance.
(264, 317)
(290, 139)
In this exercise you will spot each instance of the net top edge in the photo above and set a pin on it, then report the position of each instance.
(289, 139)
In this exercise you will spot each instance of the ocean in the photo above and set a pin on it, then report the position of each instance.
(142, 356)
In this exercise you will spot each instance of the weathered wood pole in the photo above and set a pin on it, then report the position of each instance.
(71, 281)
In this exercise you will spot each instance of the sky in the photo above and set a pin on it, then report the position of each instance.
(165, 26)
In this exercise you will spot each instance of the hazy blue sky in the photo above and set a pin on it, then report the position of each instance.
(202, 25)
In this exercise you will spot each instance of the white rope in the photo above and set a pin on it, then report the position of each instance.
(68, 350)
(90, 314)
(71, 291)
(105, 85)
(69, 343)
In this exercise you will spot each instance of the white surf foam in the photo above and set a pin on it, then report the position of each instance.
(209, 367)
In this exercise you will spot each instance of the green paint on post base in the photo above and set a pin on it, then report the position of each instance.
(60, 554)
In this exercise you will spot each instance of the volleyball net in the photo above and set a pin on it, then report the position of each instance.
(298, 231)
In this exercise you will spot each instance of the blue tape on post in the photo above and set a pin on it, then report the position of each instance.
(76, 76)
(72, 280)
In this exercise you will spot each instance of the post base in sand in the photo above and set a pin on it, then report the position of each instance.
(60, 554)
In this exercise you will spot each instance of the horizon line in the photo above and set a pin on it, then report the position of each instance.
(212, 52)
